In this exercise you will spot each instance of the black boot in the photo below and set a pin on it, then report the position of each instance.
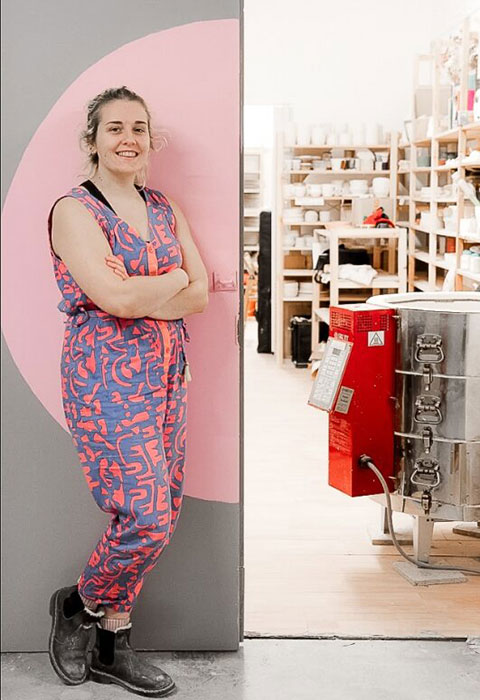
(114, 661)
(70, 635)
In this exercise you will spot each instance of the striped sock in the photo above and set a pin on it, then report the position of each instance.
(113, 624)
(89, 604)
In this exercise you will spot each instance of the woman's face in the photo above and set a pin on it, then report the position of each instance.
(123, 139)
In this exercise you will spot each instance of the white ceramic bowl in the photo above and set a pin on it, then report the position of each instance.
(328, 190)
(314, 190)
(299, 190)
(358, 186)
(289, 240)
(381, 186)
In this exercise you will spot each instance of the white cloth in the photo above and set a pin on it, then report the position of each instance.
(364, 274)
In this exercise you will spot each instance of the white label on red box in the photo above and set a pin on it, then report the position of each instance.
(344, 400)
(376, 338)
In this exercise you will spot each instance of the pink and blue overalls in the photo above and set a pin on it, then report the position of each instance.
(124, 396)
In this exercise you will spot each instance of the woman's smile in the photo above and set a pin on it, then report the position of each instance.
(127, 154)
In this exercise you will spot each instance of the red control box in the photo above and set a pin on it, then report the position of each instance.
(361, 419)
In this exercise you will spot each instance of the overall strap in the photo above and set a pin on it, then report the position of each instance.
(100, 211)
(96, 209)
(161, 202)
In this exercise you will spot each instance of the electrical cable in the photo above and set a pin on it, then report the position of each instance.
(366, 461)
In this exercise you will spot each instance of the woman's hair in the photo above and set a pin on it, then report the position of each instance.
(94, 107)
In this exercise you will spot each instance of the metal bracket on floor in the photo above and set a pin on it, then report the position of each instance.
(381, 535)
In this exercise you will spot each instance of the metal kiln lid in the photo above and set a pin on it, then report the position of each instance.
(455, 302)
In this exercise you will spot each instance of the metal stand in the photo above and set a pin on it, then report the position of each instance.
(422, 537)
(381, 535)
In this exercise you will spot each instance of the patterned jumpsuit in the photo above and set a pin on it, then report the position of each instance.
(124, 396)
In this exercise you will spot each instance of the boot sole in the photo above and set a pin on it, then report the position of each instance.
(53, 612)
(102, 677)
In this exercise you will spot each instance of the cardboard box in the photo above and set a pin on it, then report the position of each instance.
(297, 260)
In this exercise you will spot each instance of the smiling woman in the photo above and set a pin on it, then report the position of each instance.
(128, 270)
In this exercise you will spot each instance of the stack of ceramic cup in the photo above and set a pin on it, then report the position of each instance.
(305, 289)
(292, 215)
(290, 289)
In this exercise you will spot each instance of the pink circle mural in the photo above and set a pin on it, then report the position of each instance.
(189, 76)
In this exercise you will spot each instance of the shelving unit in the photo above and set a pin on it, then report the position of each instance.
(383, 280)
(341, 205)
(427, 266)
(253, 201)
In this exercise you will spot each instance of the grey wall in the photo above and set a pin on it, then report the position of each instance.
(192, 599)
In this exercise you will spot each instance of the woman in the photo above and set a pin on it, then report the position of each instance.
(128, 270)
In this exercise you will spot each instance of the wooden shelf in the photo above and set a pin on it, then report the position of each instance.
(423, 143)
(439, 261)
(422, 256)
(381, 281)
(318, 224)
(325, 147)
(475, 276)
(436, 200)
(329, 173)
(438, 232)
(305, 298)
(472, 130)
(305, 250)
(447, 136)
(421, 284)
(298, 273)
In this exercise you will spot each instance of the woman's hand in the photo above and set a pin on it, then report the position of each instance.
(117, 265)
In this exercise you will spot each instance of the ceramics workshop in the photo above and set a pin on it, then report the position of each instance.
(362, 300)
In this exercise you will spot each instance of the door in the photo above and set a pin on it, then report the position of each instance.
(183, 57)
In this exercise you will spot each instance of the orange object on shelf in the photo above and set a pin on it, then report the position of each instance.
(450, 245)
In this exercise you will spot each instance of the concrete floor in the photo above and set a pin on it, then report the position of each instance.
(272, 669)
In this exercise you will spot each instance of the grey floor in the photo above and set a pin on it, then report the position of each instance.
(266, 669)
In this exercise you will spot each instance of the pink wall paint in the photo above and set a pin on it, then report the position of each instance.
(189, 77)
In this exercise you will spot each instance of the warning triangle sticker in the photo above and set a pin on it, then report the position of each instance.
(376, 338)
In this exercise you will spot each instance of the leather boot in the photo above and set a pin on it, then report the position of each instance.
(114, 661)
(69, 637)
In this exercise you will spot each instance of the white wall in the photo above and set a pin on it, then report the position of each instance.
(349, 61)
